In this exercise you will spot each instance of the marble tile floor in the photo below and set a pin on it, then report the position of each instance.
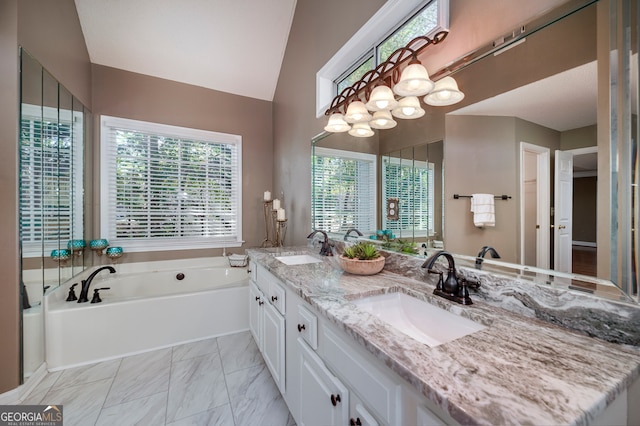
(220, 381)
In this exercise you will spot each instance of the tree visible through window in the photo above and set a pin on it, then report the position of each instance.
(167, 185)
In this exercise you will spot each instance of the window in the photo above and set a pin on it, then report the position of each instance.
(344, 190)
(50, 178)
(413, 184)
(392, 27)
(167, 187)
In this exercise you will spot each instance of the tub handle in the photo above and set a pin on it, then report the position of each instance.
(96, 294)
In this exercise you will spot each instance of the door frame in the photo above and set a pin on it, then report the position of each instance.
(543, 180)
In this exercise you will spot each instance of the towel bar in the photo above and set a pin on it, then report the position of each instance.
(497, 197)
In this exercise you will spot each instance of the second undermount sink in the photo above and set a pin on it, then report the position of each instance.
(420, 320)
(298, 259)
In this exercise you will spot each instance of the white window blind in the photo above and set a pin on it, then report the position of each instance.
(167, 187)
(344, 190)
(413, 184)
(51, 178)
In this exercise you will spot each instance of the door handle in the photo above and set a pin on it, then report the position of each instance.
(561, 227)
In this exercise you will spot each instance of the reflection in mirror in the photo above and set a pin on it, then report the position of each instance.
(52, 134)
(527, 105)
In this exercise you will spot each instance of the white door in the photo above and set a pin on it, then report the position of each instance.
(256, 313)
(273, 344)
(563, 207)
(324, 400)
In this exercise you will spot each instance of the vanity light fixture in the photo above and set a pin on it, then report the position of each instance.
(361, 130)
(445, 92)
(382, 120)
(380, 87)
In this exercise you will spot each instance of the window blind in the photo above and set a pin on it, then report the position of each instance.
(413, 184)
(166, 184)
(51, 178)
(344, 190)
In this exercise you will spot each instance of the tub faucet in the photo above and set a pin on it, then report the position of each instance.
(451, 288)
(350, 231)
(86, 283)
(325, 250)
(483, 252)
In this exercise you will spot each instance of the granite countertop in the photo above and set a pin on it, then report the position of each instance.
(516, 370)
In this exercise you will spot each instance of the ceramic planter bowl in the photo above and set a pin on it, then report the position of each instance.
(361, 267)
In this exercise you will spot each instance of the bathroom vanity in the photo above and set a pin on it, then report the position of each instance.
(338, 360)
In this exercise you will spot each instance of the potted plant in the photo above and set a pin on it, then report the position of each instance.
(362, 258)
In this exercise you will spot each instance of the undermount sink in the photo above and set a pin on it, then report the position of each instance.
(420, 320)
(298, 259)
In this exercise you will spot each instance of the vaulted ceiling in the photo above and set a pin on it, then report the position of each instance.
(234, 46)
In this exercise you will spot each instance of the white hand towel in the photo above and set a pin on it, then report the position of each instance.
(482, 207)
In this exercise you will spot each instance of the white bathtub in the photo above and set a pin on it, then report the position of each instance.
(147, 307)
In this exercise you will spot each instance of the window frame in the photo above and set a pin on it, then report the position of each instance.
(350, 155)
(108, 170)
(390, 17)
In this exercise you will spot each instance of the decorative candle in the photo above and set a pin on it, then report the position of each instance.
(276, 204)
(281, 216)
(267, 195)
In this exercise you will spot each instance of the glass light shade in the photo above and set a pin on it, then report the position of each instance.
(382, 120)
(337, 124)
(414, 81)
(408, 108)
(381, 98)
(361, 130)
(357, 113)
(445, 92)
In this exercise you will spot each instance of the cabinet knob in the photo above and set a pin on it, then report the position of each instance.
(355, 422)
(274, 298)
(257, 297)
(301, 327)
(261, 303)
(335, 399)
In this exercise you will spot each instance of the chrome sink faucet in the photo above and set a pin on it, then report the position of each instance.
(483, 252)
(451, 288)
(350, 231)
(86, 283)
(325, 250)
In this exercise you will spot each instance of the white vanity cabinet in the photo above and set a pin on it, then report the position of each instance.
(267, 322)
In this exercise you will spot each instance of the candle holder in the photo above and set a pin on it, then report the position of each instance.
(114, 253)
(98, 246)
(61, 256)
(76, 246)
(281, 232)
(268, 224)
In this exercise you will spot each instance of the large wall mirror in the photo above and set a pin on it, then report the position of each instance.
(53, 126)
(531, 121)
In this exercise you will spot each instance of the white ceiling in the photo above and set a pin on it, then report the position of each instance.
(234, 46)
(564, 101)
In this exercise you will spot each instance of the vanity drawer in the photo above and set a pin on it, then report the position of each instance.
(381, 394)
(308, 326)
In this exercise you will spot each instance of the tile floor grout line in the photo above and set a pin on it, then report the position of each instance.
(166, 405)
(226, 385)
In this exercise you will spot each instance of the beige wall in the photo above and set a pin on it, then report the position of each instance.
(316, 34)
(9, 263)
(140, 97)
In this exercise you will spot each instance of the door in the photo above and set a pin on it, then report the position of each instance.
(563, 207)
(535, 205)
(256, 316)
(324, 400)
(273, 344)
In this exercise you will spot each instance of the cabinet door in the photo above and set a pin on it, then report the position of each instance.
(273, 344)
(324, 400)
(256, 309)
(358, 413)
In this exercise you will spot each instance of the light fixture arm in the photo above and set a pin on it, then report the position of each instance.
(387, 72)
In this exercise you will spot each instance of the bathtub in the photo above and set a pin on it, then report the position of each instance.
(149, 305)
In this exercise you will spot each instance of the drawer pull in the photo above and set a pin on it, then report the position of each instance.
(301, 327)
(335, 399)
(355, 422)
(274, 298)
